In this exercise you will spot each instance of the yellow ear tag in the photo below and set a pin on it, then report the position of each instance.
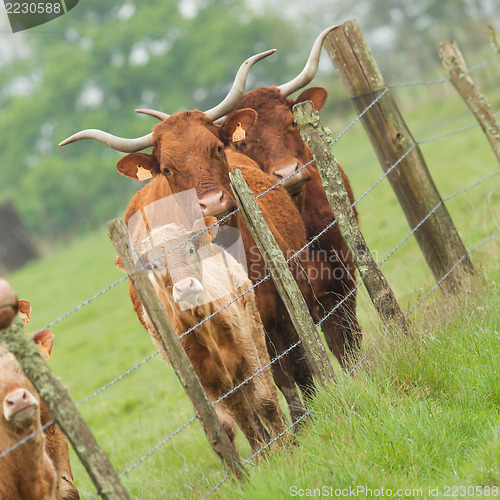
(239, 133)
(143, 174)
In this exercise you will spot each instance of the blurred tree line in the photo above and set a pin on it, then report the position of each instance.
(92, 67)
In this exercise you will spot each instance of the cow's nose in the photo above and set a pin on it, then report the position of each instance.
(186, 288)
(214, 203)
(292, 182)
(286, 171)
(16, 401)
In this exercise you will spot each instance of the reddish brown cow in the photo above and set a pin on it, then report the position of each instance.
(26, 473)
(275, 144)
(55, 441)
(188, 152)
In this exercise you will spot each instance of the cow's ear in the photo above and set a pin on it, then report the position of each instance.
(138, 166)
(45, 339)
(208, 235)
(24, 307)
(317, 95)
(237, 125)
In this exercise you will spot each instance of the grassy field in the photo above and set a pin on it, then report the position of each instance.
(424, 413)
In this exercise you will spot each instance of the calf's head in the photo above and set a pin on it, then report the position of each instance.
(19, 399)
(175, 256)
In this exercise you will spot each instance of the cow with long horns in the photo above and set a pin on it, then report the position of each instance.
(189, 152)
(274, 143)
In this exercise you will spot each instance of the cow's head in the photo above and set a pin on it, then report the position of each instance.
(189, 153)
(174, 256)
(188, 150)
(20, 400)
(275, 143)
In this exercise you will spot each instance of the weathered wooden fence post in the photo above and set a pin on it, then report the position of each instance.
(56, 397)
(455, 67)
(283, 279)
(216, 435)
(393, 143)
(318, 141)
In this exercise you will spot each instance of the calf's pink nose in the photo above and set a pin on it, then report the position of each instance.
(185, 288)
(16, 401)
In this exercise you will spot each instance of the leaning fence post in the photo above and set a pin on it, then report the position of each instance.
(56, 397)
(283, 279)
(216, 435)
(455, 67)
(318, 141)
(394, 145)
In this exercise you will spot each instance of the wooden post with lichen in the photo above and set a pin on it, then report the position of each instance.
(394, 145)
(216, 435)
(455, 67)
(318, 141)
(283, 279)
(57, 400)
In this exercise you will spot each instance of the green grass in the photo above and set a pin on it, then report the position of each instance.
(425, 413)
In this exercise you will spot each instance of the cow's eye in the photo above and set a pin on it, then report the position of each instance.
(243, 144)
(166, 171)
(294, 124)
(220, 149)
(155, 267)
(191, 250)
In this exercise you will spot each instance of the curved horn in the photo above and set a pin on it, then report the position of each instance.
(310, 69)
(233, 98)
(157, 114)
(118, 143)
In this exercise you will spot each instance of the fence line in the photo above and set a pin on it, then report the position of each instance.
(354, 368)
(358, 285)
(77, 308)
(352, 123)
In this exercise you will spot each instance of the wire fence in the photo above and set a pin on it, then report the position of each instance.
(294, 255)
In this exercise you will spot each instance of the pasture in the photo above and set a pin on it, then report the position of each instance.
(377, 427)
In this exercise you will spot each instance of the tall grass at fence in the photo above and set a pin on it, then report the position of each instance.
(104, 338)
(423, 413)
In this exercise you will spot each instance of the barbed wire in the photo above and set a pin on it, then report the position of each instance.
(429, 82)
(106, 289)
(356, 366)
(26, 438)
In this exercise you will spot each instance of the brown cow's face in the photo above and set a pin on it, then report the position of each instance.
(275, 142)
(189, 154)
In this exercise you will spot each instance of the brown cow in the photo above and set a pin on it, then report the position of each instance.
(56, 443)
(27, 472)
(188, 152)
(193, 281)
(275, 144)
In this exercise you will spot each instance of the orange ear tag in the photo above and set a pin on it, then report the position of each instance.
(239, 134)
(143, 174)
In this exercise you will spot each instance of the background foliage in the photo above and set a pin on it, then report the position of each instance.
(92, 67)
